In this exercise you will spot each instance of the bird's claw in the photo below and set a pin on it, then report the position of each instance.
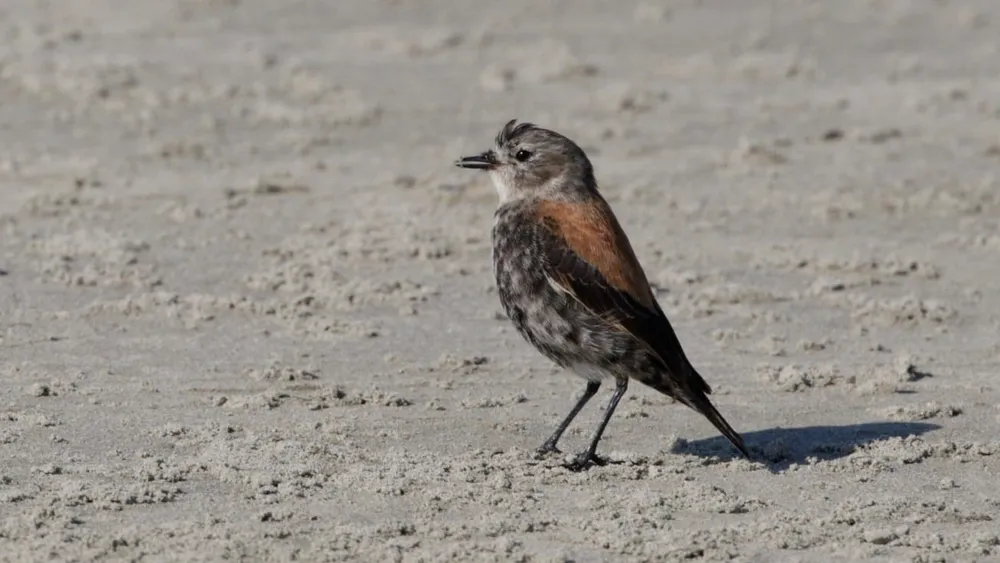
(584, 460)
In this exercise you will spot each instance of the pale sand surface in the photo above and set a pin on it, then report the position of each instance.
(246, 307)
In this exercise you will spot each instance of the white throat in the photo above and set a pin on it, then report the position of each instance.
(502, 183)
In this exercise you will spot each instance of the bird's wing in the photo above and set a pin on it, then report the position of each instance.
(588, 257)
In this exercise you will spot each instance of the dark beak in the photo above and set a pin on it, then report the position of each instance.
(484, 161)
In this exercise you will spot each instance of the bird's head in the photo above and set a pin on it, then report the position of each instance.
(529, 161)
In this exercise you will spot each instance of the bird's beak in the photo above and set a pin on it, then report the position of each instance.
(484, 161)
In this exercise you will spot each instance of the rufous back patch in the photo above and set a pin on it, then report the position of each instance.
(592, 232)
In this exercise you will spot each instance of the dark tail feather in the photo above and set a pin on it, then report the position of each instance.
(694, 395)
(701, 404)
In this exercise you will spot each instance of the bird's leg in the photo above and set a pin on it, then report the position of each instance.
(589, 456)
(550, 445)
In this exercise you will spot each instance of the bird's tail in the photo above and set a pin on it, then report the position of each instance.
(694, 393)
(700, 403)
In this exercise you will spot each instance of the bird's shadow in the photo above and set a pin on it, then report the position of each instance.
(781, 447)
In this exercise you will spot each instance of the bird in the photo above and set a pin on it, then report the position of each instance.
(569, 281)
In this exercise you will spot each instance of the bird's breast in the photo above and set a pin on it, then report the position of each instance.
(547, 318)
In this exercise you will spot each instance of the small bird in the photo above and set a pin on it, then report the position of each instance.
(570, 282)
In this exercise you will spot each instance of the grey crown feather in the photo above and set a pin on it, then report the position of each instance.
(511, 131)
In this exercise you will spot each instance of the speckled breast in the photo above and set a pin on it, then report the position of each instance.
(550, 320)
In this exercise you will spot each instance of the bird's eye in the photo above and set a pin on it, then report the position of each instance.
(522, 155)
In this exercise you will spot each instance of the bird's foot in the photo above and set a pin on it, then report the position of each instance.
(548, 448)
(584, 460)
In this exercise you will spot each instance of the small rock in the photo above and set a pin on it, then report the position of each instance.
(879, 536)
(40, 390)
(833, 135)
(49, 469)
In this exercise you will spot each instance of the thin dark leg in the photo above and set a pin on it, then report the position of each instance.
(550, 444)
(590, 455)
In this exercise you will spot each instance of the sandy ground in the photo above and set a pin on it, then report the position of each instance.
(246, 308)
